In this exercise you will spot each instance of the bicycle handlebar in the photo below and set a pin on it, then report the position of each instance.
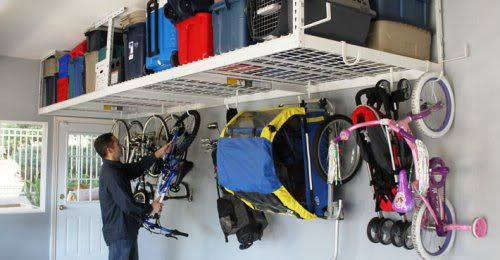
(176, 232)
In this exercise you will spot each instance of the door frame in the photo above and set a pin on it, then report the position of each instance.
(55, 171)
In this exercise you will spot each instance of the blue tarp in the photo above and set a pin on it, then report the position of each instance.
(246, 164)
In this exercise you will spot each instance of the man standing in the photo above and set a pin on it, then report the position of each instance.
(120, 213)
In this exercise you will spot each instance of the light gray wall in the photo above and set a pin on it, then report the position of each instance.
(24, 236)
(470, 149)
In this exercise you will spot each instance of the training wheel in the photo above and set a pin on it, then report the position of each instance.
(190, 198)
(479, 227)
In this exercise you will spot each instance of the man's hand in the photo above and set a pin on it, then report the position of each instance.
(156, 205)
(162, 151)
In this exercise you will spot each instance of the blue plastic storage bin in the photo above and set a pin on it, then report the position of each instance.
(414, 12)
(134, 37)
(161, 39)
(64, 66)
(76, 77)
(230, 25)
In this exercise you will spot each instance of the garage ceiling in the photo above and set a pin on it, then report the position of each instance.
(30, 29)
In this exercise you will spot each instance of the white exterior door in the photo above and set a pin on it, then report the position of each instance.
(78, 218)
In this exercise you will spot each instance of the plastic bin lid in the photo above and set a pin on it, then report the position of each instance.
(138, 16)
(222, 4)
(361, 5)
(102, 28)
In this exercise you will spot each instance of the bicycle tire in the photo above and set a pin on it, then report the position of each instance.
(126, 142)
(170, 122)
(321, 143)
(155, 171)
(417, 97)
(417, 228)
(189, 132)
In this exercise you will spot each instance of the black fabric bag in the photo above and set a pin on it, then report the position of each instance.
(236, 217)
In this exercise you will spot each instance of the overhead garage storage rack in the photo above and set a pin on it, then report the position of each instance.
(291, 65)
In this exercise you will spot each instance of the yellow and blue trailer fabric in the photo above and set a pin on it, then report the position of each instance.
(245, 167)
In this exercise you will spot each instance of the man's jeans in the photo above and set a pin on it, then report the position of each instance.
(123, 250)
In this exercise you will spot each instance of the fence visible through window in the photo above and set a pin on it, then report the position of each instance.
(83, 163)
(20, 164)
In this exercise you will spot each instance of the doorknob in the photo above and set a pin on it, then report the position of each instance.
(62, 207)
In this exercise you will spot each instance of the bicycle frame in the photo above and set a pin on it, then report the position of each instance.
(163, 187)
(431, 197)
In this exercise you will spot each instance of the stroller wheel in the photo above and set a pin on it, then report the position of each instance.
(407, 236)
(386, 225)
(373, 230)
(397, 233)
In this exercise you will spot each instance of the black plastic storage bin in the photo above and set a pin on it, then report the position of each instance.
(178, 10)
(230, 25)
(49, 90)
(273, 18)
(96, 38)
(413, 12)
(134, 39)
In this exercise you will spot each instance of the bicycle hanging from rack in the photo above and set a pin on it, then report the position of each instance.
(169, 171)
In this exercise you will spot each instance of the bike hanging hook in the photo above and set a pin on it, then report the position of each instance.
(344, 57)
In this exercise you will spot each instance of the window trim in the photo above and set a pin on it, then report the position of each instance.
(43, 171)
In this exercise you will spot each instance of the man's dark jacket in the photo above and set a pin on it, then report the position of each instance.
(120, 213)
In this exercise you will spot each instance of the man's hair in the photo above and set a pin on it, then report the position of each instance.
(102, 142)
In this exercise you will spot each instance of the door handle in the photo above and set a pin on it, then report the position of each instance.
(62, 207)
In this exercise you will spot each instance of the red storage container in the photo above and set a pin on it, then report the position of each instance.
(79, 50)
(195, 38)
(62, 89)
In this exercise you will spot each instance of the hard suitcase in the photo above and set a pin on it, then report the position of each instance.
(161, 39)
(195, 38)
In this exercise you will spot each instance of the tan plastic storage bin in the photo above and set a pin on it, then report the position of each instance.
(90, 76)
(399, 38)
(49, 67)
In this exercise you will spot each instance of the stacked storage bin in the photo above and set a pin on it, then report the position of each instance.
(116, 70)
(49, 90)
(63, 78)
(96, 46)
(230, 25)
(194, 28)
(195, 38)
(161, 39)
(134, 41)
(76, 70)
(402, 27)
(90, 62)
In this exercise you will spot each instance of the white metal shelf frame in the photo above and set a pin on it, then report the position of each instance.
(278, 68)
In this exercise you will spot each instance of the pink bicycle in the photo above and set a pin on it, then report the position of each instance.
(433, 228)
